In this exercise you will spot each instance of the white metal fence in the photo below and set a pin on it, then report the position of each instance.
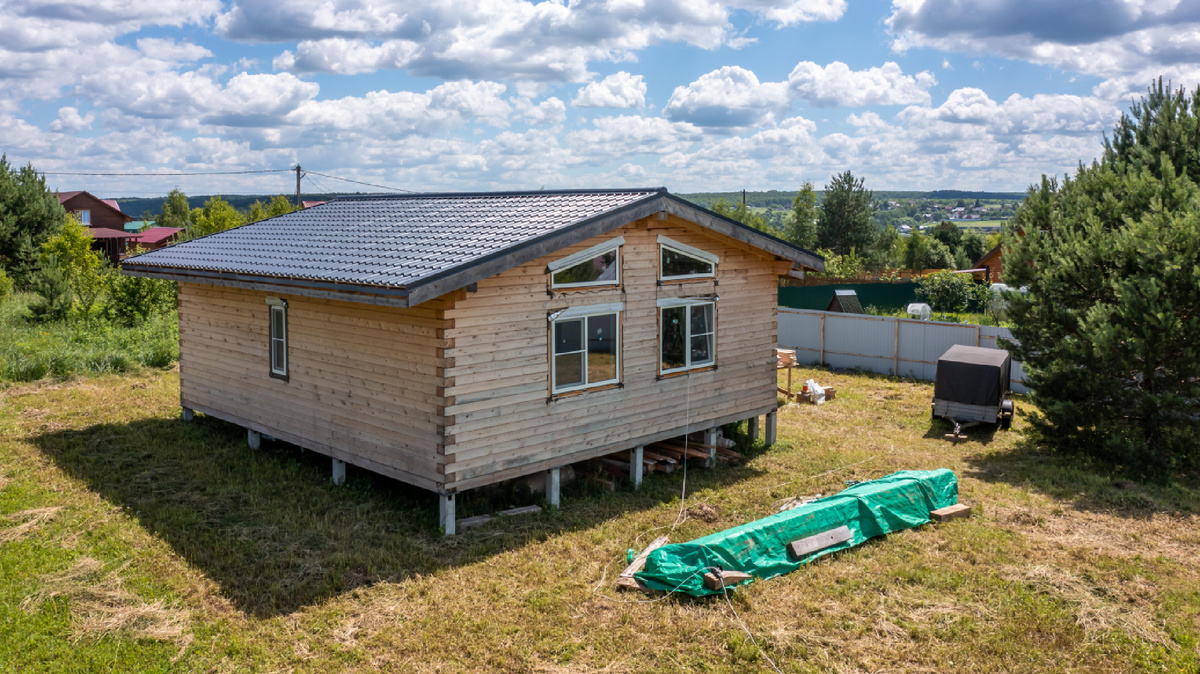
(899, 346)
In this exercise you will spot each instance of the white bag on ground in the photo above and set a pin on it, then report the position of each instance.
(815, 391)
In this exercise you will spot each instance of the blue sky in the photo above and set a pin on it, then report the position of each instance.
(696, 95)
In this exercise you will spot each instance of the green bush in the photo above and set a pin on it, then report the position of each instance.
(947, 291)
(6, 286)
(133, 299)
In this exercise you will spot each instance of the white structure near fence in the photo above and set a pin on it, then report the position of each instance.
(900, 346)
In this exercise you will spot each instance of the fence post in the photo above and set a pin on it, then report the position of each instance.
(821, 360)
(896, 351)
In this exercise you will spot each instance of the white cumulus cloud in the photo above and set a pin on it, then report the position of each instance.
(727, 97)
(837, 85)
(619, 90)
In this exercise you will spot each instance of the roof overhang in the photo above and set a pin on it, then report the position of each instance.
(449, 280)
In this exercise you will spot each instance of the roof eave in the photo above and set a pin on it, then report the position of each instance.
(348, 292)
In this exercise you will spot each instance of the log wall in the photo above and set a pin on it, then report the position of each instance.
(365, 382)
(502, 420)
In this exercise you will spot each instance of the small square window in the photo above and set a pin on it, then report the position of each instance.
(85, 218)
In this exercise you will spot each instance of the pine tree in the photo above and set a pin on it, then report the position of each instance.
(29, 214)
(845, 221)
(1111, 265)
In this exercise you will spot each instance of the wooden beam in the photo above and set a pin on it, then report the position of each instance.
(955, 511)
(727, 579)
(826, 539)
(640, 560)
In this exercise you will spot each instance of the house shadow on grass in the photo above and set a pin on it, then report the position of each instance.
(272, 531)
(1084, 485)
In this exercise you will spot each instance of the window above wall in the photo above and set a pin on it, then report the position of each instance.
(597, 266)
(681, 262)
(586, 343)
(85, 218)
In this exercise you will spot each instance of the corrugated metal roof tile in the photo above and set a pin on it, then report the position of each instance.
(388, 241)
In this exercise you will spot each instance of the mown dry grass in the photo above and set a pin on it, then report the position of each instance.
(132, 541)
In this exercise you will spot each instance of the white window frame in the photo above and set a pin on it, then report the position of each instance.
(276, 305)
(85, 217)
(578, 313)
(665, 243)
(583, 256)
(689, 303)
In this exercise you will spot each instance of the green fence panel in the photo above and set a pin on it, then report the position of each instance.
(882, 295)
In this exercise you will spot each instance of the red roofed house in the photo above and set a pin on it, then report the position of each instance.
(104, 220)
(156, 237)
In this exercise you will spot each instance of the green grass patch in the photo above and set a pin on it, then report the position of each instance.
(130, 540)
(31, 351)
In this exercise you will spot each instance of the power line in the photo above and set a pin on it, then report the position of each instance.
(359, 182)
(189, 173)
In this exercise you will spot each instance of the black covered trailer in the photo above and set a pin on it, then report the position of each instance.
(971, 386)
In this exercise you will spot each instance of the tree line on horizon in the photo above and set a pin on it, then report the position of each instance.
(842, 227)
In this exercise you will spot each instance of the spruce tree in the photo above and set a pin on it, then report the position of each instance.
(845, 221)
(1110, 260)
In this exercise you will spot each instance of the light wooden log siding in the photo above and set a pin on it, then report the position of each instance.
(365, 382)
(499, 423)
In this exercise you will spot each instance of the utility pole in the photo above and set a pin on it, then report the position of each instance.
(743, 197)
(298, 204)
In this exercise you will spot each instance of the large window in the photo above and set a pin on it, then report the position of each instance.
(277, 310)
(687, 335)
(599, 265)
(587, 347)
(680, 262)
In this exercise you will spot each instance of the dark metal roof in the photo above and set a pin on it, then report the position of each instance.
(387, 244)
(388, 241)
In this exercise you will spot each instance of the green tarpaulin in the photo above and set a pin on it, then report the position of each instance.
(899, 501)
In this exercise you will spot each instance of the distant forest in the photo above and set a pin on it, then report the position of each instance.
(138, 206)
(778, 199)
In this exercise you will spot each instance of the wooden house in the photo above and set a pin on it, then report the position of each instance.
(103, 218)
(452, 341)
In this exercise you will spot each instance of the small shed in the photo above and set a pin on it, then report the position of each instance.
(845, 301)
(457, 340)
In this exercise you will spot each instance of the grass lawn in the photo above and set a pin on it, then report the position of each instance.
(31, 351)
(130, 541)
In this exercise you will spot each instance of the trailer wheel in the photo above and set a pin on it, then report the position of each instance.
(1008, 409)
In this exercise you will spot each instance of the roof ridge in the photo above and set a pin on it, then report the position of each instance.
(509, 193)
